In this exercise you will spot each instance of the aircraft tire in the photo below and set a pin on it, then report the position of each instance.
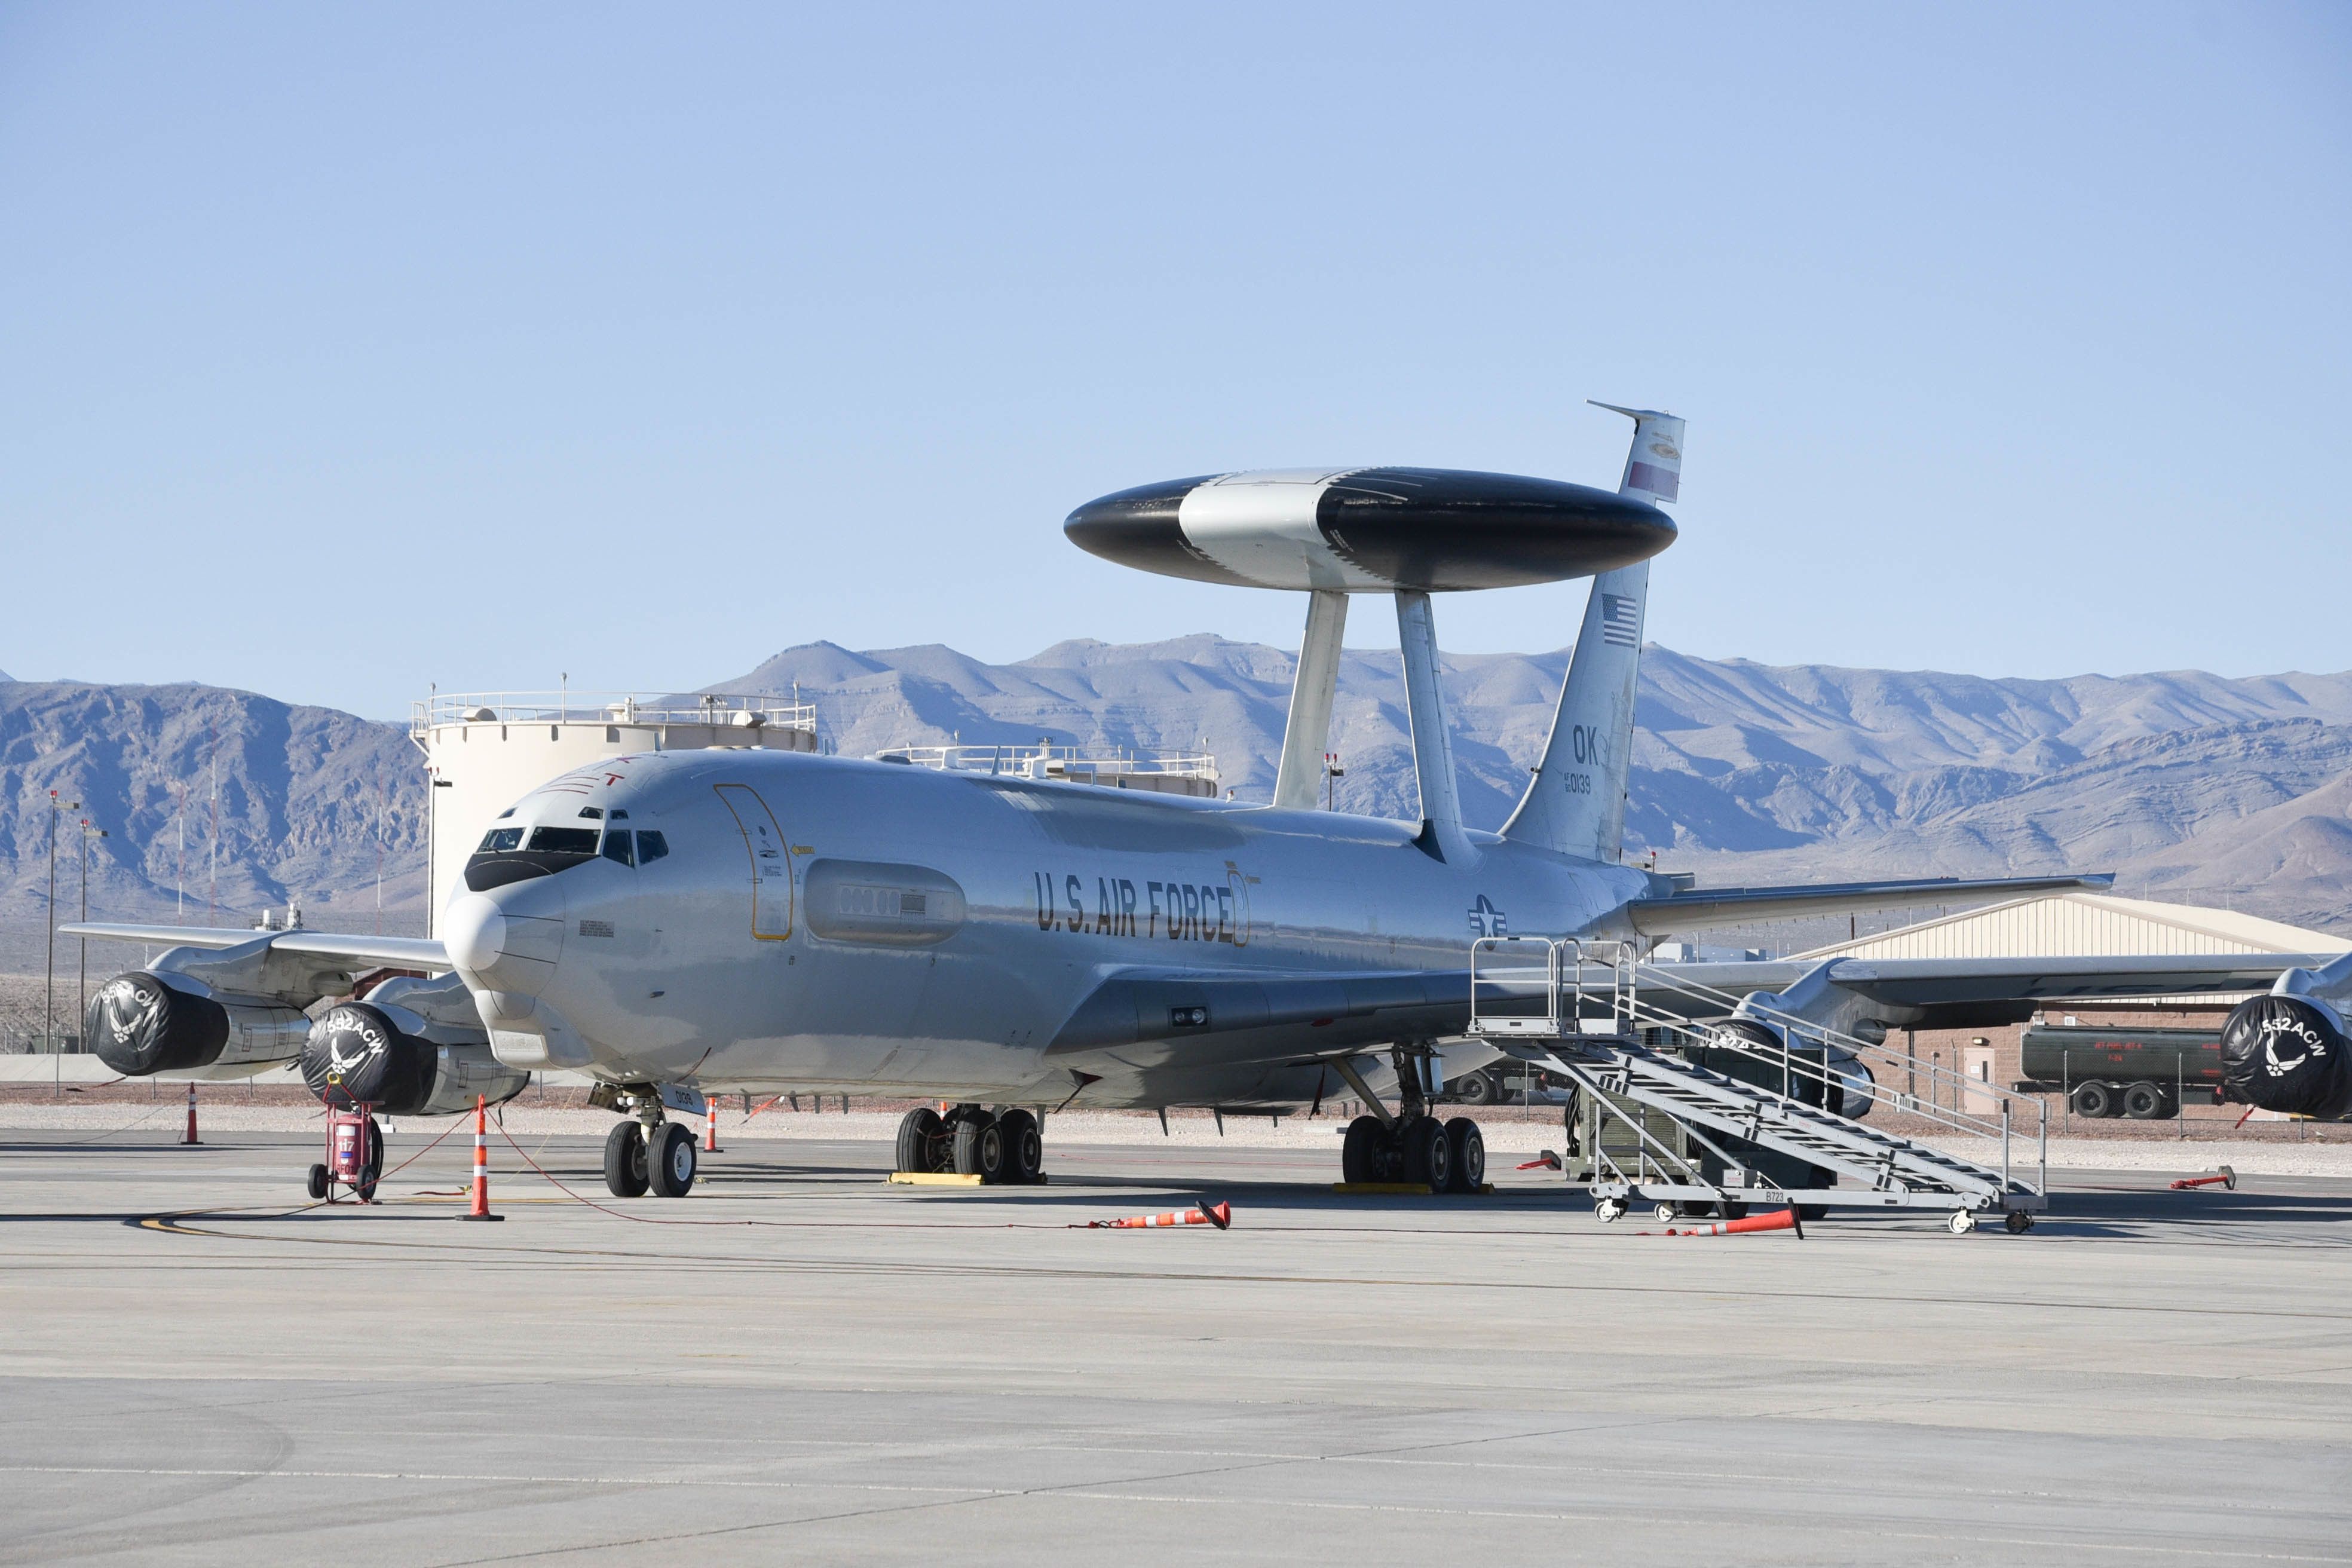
(1469, 1150)
(1024, 1146)
(670, 1160)
(625, 1160)
(980, 1148)
(1816, 1178)
(1359, 1151)
(1428, 1156)
(922, 1142)
(366, 1185)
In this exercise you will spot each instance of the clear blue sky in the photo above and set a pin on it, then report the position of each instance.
(347, 347)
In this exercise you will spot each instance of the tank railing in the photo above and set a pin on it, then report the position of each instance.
(1049, 761)
(727, 710)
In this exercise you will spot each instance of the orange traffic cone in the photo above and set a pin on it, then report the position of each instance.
(190, 1137)
(711, 1128)
(481, 1209)
(1220, 1215)
(1778, 1219)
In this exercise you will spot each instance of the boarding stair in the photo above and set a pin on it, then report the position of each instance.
(1578, 1008)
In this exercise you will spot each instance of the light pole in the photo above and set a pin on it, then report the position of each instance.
(82, 975)
(49, 979)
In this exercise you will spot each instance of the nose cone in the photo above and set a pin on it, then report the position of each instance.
(474, 932)
(501, 946)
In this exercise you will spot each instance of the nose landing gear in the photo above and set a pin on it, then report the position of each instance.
(647, 1152)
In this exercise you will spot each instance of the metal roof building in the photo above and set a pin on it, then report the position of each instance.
(2088, 925)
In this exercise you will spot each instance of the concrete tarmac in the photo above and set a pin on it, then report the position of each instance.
(801, 1363)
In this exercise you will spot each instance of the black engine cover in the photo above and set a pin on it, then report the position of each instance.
(139, 1025)
(2285, 1054)
(356, 1055)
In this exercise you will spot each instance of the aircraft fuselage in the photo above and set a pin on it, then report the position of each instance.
(822, 923)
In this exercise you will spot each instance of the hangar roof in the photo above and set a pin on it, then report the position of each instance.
(2088, 925)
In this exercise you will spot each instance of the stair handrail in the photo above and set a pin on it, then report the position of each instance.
(1628, 1006)
(1939, 1076)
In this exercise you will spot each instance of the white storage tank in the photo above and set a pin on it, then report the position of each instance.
(485, 751)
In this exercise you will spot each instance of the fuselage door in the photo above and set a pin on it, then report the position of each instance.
(772, 862)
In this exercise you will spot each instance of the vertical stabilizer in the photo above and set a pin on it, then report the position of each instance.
(1576, 802)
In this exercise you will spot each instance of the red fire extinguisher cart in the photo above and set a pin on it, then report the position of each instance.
(354, 1154)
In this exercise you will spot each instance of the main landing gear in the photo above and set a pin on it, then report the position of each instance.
(649, 1152)
(1412, 1146)
(999, 1146)
(1450, 1156)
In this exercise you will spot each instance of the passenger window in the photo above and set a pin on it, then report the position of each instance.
(499, 840)
(651, 846)
(580, 841)
(616, 846)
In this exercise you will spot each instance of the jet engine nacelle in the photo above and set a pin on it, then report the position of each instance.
(1830, 1077)
(141, 1024)
(359, 1052)
(2288, 1054)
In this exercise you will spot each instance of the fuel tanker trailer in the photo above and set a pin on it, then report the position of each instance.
(2122, 1070)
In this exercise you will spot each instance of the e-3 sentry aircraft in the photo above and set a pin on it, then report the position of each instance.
(684, 923)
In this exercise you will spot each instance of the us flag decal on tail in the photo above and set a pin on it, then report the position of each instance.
(1620, 620)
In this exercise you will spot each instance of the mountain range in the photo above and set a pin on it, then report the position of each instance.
(2190, 787)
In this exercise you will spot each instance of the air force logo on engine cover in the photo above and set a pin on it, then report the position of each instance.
(1486, 920)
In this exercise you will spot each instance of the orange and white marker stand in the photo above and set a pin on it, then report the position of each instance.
(1220, 1215)
(190, 1136)
(2224, 1177)
(1778, 1219)
(710, 1125)
(481, 1209)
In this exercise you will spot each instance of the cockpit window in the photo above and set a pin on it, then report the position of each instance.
(651, 846)
(504, 857)
(616, 846)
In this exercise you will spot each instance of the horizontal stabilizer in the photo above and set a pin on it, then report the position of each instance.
(1706, 909)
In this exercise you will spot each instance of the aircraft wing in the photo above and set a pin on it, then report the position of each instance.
(388, 952)
(1227, 1012)
(1965, 993)
(1171, 1015)
(1704, 908)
